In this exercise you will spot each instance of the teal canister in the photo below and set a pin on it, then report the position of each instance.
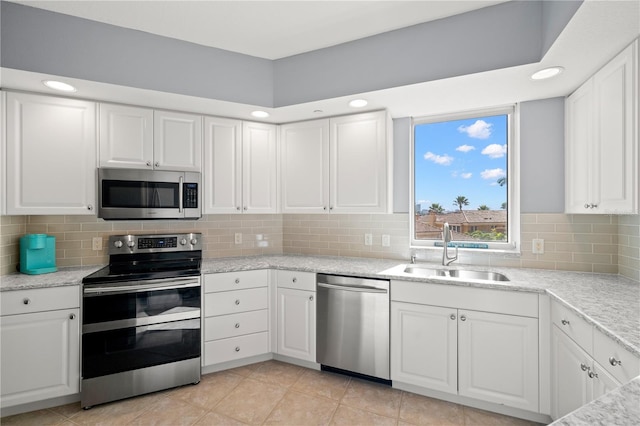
(37, 254)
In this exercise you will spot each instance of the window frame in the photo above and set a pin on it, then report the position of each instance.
(513, 177)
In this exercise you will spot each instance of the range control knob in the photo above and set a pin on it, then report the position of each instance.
(131, 243)
(194, 241)
(183, 242)
(117, 243)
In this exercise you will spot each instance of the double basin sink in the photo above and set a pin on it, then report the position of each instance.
(460, 274)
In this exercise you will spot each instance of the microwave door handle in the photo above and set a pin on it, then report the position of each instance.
(180, 189)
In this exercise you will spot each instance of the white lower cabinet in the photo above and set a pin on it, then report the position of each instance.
(296, 317)
(40, 351)
(487, 356)
(236, 316)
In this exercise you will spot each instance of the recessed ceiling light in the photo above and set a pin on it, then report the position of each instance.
(546, 73)
(58, 85)
(260, 114)
(358, 103)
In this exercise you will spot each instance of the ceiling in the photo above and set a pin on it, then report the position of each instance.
(596, 33)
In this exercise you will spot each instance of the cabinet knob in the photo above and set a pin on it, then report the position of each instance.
(586, 206)
(238, 208)
(148, 163)
(311, 298)
(237, 348)
(324, 208)
(452, 316)
(245, 208)
(295, 280)
(565, 322)
(157, 164)
(237, 280)
(237, 325)
(26, 301)
(463, 318)
(584, 367)
(592, 375)
(72, 316)
(237, 301)
(331, 208)
(614, 361)
(90, 207)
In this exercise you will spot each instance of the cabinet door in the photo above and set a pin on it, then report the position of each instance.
(570, 384)
(177, 141)
(424, 348)
(259, 168)
(498, 358)
(601, 381)
(40, 356)
(126, 136)
(222, 171)
(615, 149)
(305, 167)
(3, 152)
(358, 163)
(579, 138)
(51, 155)
(297, 323)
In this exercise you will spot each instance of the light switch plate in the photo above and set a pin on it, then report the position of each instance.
(386, 240)
(368, 239)
(96, 243)
(537, 246)
(238, 238)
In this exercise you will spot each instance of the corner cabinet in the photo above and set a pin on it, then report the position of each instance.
(141, 138)
(601, 152)
(50, 155)
(240, 167)
(339, 165)
(40, 334)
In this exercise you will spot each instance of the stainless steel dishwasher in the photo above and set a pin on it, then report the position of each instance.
(353, 325)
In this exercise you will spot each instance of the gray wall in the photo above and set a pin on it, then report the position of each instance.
(541, 158)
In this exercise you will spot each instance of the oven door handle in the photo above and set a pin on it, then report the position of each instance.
(149, 286)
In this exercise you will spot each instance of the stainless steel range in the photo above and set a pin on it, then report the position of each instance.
(141, 318)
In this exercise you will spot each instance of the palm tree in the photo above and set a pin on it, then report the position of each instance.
(436, 208)
(484, 207)
(460, 201)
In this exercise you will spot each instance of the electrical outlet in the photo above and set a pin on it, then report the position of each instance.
(238, 238)
(386, 240)
(537, 246)
(368, 239)
(96, 243)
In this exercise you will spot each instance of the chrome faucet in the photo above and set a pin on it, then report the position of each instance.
(446, 239)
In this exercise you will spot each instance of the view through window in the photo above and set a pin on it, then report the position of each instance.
(461, 177)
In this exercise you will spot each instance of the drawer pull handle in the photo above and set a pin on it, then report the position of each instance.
(237, 348)
(237, 301)
(237, 325)
(26, 301)
(237, 280)
(452, 316)
(565, 322)
(463, 318)
(584, 367)
(72, 316)
(614, 361)
(294, 280)
(593, 375)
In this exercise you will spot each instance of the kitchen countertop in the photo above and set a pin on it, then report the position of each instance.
(610, 302)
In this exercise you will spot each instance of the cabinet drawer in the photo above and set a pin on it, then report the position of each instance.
(296, 279)
(39, 300)
(225, 326)
(234, 348)
(233, 302)
(573, 326)
(235, 280)
(619, 362)
(476, 299)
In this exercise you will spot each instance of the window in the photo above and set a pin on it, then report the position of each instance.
(464, 172)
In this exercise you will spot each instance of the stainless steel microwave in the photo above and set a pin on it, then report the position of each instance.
(131, 194)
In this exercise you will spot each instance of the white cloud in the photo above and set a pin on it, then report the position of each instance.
(443, 160)
(495, 151)
(478, 130)
(466, 175)
(465, 148)
(493, 173)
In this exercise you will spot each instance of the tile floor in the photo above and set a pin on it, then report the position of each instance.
(268, 393)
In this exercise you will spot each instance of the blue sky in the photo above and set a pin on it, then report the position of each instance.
(461, 157)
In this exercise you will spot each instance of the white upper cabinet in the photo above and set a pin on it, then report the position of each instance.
(51, 155)
(141, 138)
(3, 150)
(602, 140)
(305, 166)
(338, 165)
(177, 141)
(126, 136)
(240, 167)
(259, 168)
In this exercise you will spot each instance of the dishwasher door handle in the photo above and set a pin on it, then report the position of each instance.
(360, 289)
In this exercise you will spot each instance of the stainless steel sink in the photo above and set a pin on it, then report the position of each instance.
(460, 274)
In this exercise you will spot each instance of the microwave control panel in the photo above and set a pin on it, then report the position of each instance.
(190, 196)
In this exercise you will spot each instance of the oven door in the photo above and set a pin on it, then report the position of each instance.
(129, 326)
